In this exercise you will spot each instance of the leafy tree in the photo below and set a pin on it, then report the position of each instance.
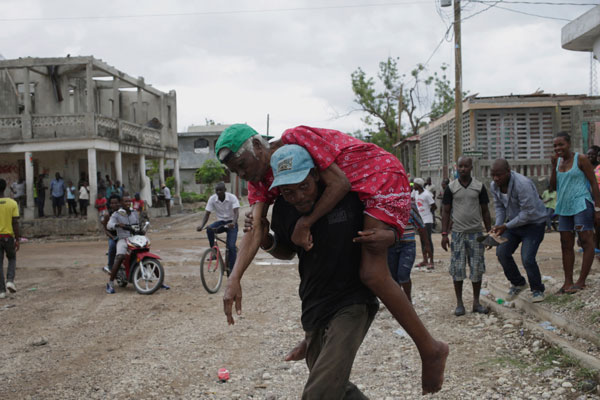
(380, 99)
(211, 171)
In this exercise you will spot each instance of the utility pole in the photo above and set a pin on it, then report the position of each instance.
(400, 107)
(457, 83)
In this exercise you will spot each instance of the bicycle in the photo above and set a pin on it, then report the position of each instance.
(212, 265)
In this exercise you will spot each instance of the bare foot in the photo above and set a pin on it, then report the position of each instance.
(432, 376)
(297, 353)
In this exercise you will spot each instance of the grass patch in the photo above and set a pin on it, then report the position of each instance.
(555, 357)
(577, 305)
(595, 317)
(586, 373)
(504, 361)
(558, 300)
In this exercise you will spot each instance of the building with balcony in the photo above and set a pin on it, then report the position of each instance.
(82, 118)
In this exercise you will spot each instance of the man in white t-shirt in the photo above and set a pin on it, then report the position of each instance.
(227, 208)
(167, 193)
(426, 205)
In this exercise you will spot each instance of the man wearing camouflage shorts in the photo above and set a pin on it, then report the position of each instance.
(466, 202)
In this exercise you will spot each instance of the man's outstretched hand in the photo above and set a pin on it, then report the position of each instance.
(233, 294)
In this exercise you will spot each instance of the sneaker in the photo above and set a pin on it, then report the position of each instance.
(11, 287)
(537, 296)
(514, 291)
(106, 269)
(2, 295)
(110, 289)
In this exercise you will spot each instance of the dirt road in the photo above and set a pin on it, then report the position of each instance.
(171, 344)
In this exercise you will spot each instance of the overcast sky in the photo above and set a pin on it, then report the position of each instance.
(237, 61)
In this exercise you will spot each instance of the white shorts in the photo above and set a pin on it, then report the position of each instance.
(122, 247)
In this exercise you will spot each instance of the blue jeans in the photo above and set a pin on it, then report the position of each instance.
(401, 258)
(112, 250)
(219, 226)
(529, 236)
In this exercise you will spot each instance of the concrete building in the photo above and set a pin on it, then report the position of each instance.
(408, 150)
(81, 117)
(583, 33)
(519, 128)
(195, 147)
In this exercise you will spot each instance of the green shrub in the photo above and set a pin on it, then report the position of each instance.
(191, 197)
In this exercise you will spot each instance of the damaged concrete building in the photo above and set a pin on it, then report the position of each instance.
(82, 118)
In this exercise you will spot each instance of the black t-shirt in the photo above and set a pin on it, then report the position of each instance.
(329, 272)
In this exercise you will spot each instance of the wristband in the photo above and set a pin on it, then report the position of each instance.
(272, 247)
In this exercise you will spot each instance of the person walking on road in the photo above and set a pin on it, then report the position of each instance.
(578, 207)
(227, 208)
(466, 203)
(9, 240)
(521, 218)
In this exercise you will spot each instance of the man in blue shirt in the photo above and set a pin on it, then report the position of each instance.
(57, 191)
(520, 218)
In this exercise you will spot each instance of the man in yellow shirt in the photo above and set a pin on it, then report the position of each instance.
(9, 239)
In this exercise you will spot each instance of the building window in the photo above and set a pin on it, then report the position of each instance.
(201, 146)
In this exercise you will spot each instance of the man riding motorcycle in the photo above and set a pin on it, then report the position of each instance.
(122, 221)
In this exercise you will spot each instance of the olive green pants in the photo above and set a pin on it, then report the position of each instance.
(331, 351)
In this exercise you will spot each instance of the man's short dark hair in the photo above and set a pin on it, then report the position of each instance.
(2, 185)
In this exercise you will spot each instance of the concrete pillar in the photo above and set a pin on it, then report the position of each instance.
(177, 180)
(118, 167)
(29, 180)
(139, 108)
(26, 131)
(89, 101)
(145, 189)
(92, 172)
(161, 171)
(116, 101)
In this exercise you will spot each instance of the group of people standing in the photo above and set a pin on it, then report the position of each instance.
(61, 194)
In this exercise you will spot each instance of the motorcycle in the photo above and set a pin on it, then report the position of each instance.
(140, 266)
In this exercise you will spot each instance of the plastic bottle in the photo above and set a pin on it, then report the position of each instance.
(500, 301)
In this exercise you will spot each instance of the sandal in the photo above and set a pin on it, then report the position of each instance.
(574, 289)
(560, 291)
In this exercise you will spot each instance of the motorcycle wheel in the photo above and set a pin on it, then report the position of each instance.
(148, 276)
(121, 278)
(211, 271)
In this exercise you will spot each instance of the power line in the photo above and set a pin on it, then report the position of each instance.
(480, 11)
(545, 3)
(533, 15)
(203, 13)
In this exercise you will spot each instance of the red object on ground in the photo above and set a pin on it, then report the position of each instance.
(223, 374)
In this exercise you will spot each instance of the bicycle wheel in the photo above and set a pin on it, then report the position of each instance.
(211, 271)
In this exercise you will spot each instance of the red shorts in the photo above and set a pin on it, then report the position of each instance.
(391, 203)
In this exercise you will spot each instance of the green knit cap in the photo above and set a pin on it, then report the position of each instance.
(234, 137)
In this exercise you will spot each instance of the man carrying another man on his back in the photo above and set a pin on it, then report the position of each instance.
(337, 308)
(520, 218)
(227, 207)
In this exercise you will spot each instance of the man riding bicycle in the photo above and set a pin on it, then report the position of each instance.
(227, 207)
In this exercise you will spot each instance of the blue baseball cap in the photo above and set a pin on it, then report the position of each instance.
(291, 164)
